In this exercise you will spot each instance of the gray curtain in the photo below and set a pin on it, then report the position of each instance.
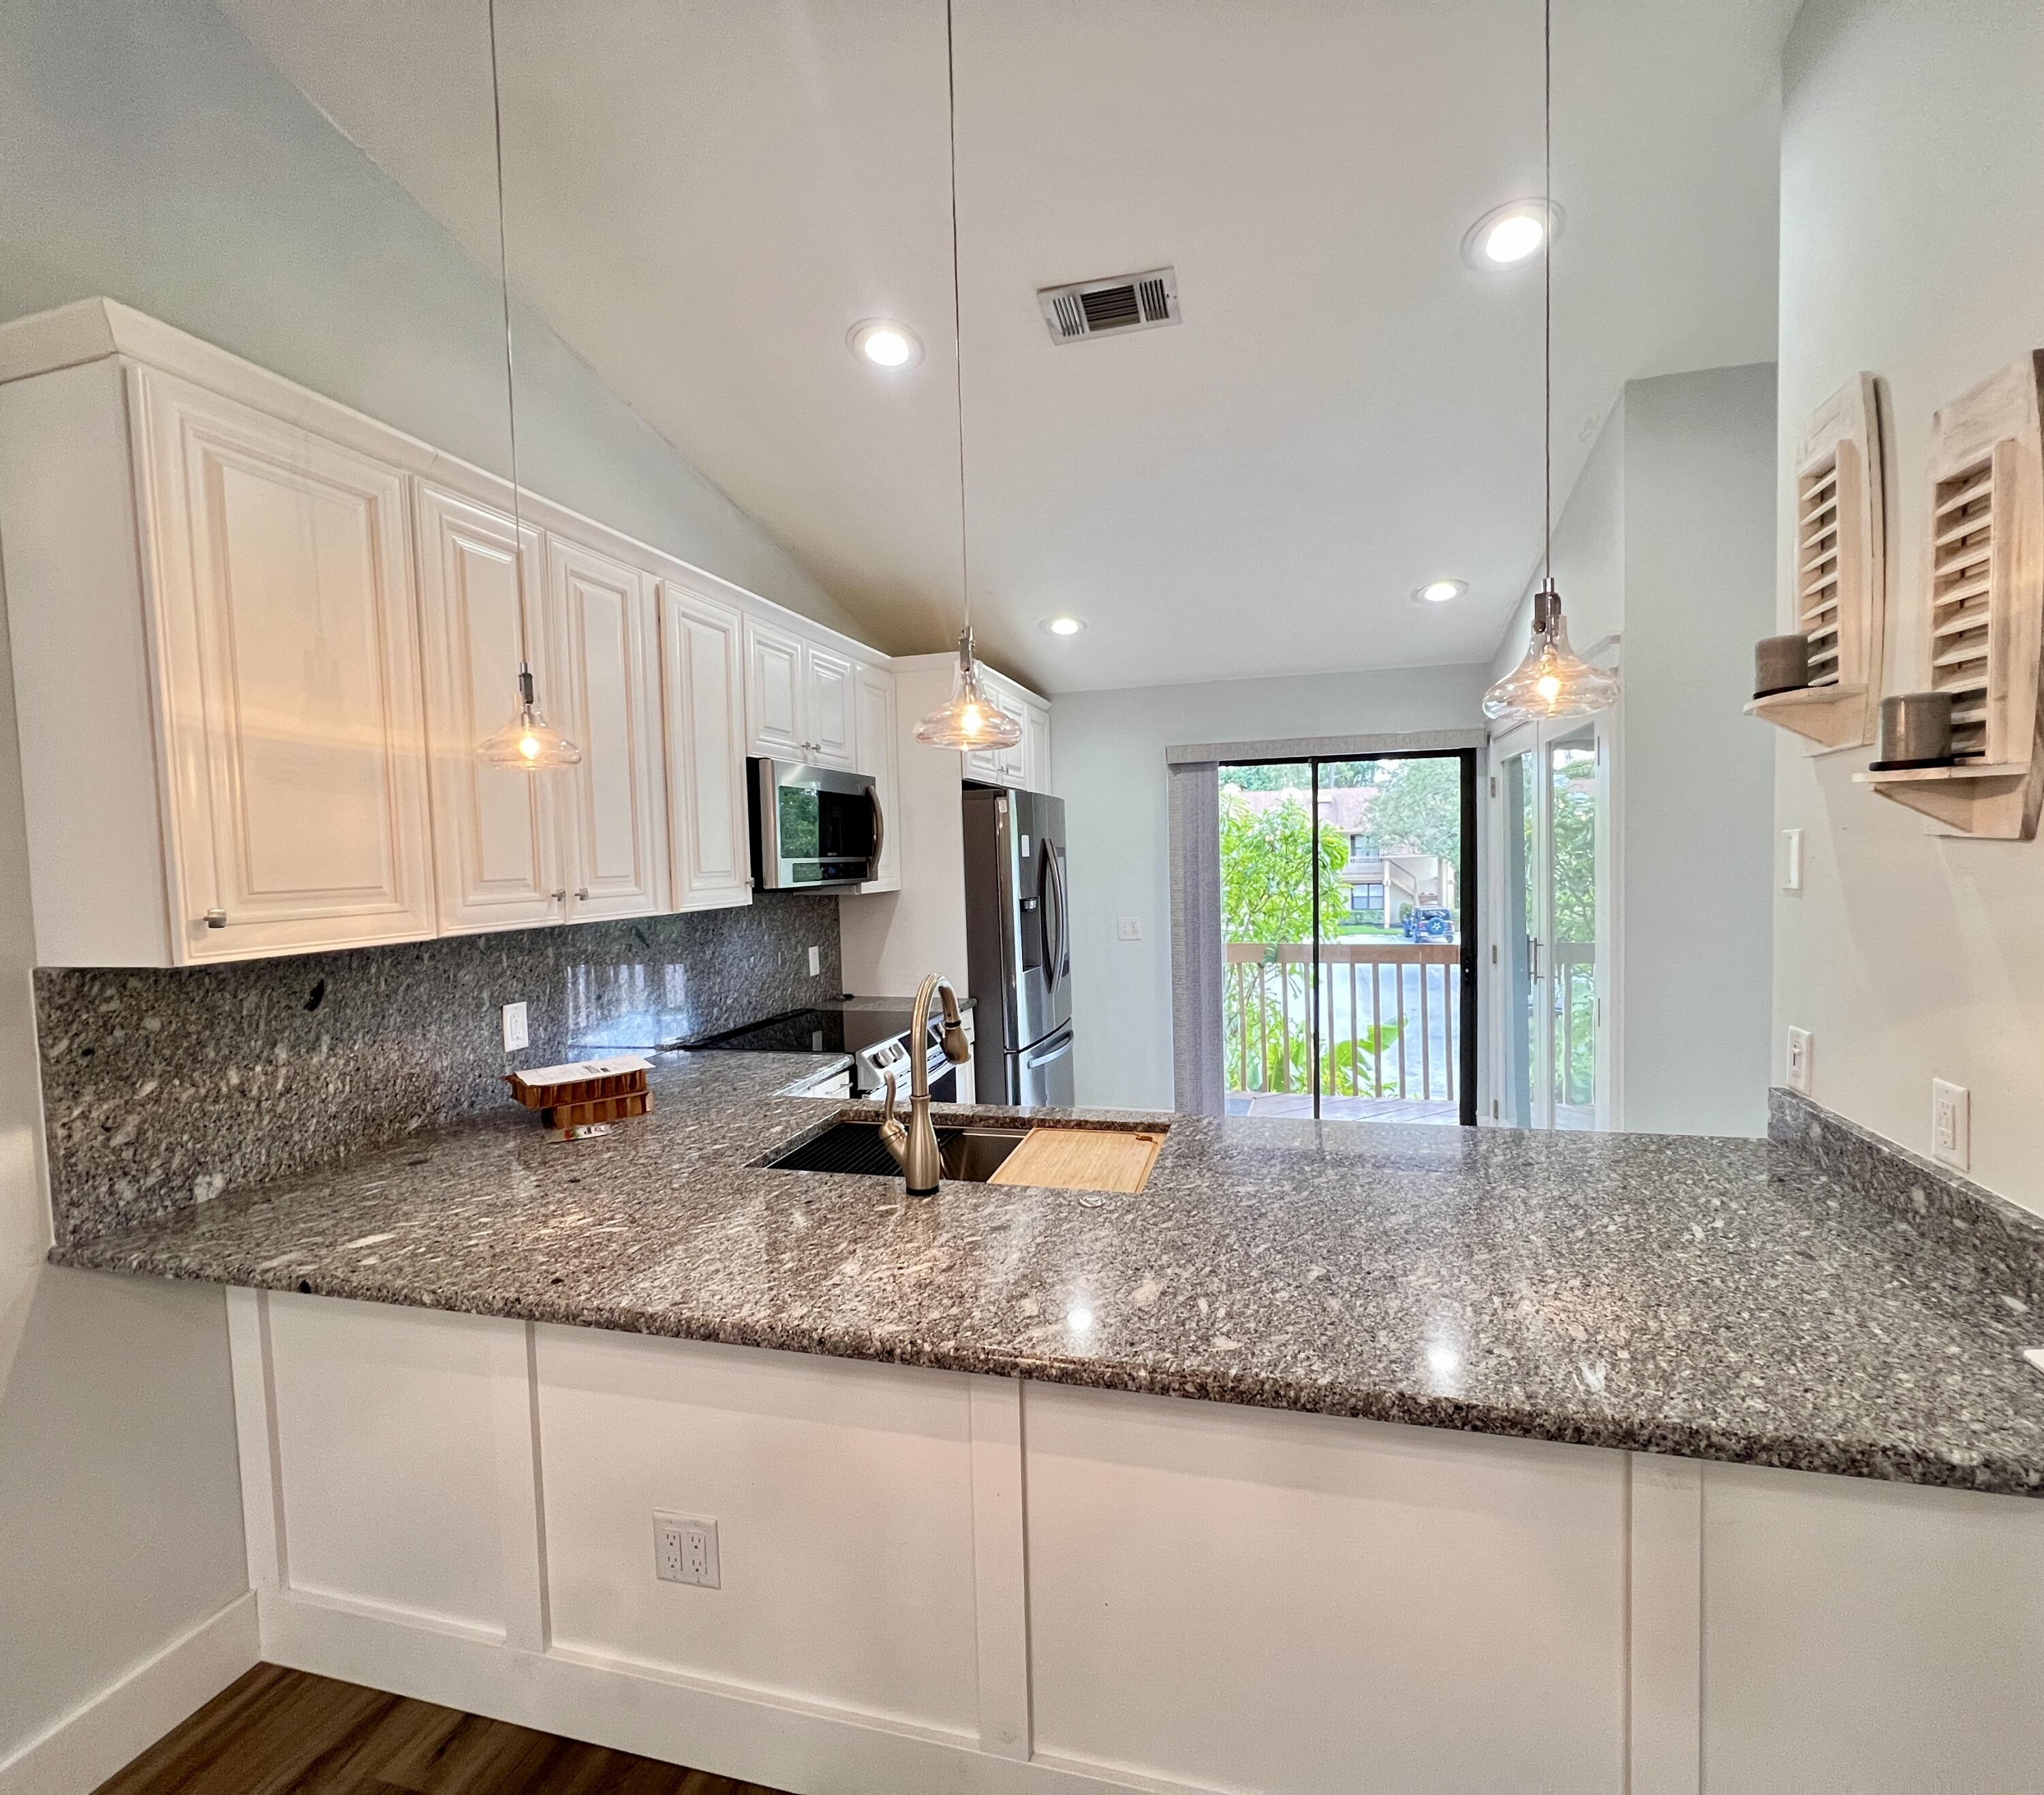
(1198, 1078)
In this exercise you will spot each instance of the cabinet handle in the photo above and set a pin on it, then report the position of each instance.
(216, 918)
(581, 896)
(561, 896)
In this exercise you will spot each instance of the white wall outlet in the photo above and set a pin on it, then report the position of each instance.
(1792, 860)
(516, 1034)
(816, 961)
(1131, 929)
(684, 1551)
(1951, 1125)
(1800, 1046)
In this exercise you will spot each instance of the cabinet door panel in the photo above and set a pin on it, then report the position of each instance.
(494, 850)
(616, 847)
(774, 692)
(879, 755)
(703, 690)
(290, 650)
(1036, 747)
(829, 708)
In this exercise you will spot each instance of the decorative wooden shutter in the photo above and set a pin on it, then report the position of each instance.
(1984, 550)
(1841, 584)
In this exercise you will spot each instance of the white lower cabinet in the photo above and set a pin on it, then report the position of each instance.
(879, 754)
(289, 671)
(703, 686)
(495, 836)
(610, 686)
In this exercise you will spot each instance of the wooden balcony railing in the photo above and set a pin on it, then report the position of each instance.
(1391, 1054)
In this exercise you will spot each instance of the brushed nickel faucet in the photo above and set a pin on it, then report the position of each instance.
(915, 1147)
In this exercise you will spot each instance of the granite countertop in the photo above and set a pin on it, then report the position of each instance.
(1716, 1298)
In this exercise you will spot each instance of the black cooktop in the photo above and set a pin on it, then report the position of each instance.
(809, 1031)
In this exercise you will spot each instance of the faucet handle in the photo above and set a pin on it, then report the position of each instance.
(893, 1136)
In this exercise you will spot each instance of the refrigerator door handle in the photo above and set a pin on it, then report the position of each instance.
(1056, 954)
(1044, 1059)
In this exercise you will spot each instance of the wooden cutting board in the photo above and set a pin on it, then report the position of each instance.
(1082, 1158)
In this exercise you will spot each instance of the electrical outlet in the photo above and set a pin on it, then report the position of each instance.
(1800, 1046)
(684, 1551)
(1132, 928)
(1792, 860)
(515, 1032)
(1951, 1125)
(816, 961)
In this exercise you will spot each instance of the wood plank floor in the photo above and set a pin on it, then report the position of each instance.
(278, 1731)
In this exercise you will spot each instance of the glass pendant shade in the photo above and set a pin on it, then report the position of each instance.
(529, 742)
(968, 718)
(1552, 682)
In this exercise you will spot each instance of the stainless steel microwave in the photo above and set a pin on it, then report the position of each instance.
(813, 828)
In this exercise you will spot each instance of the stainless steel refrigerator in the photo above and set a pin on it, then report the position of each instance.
(1019, 945)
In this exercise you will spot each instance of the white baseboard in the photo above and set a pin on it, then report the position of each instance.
(98, 1737)
(628, 1706)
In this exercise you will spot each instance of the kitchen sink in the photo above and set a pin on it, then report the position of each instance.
(969, 1155)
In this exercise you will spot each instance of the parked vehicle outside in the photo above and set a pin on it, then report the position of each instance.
(1429, 922)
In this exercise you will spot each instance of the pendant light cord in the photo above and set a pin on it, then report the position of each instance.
(958, 315)
(510, 365)
(1547, 282)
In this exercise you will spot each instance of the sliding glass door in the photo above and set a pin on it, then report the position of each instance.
(1552, 785)
(1348, 988)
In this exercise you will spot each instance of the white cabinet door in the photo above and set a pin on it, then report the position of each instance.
(616, 846)
(290, 661)
(1000, 766)
(494, 848)
(828, 681)
(702, 654)
(879, 755)
(1036, 747)
(775, 689)
(1014, 759)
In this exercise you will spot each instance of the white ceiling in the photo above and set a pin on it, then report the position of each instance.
(705, 196)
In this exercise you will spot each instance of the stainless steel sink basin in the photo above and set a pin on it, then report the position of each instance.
(969, 1155)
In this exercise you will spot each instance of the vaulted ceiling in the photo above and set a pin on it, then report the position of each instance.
(704, 195)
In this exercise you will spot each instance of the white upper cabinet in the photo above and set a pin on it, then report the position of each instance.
(703, 686)
(879, 753)
(799, 701)
(608, 700)
(775, 692)
(494, 839)
(1012, 765)
(1036, 745)
(827, 679)
(289, 674)
(256, 638)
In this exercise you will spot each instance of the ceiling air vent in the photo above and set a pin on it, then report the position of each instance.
(1107, 307)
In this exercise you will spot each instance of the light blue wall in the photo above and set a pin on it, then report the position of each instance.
(1109, 757)
(149, 152)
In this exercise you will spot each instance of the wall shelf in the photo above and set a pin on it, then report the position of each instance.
(1990, 800)
(1831, 716)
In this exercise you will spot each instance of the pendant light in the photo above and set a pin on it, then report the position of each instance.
(969, 718)
(1551, 680)
(527, 741)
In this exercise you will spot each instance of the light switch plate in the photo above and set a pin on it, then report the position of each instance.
(1131, 929)
(1951, 1125)
(516, 1032)
(1800, 1047)
(1792, 860)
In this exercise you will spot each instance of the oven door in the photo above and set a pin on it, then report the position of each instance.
(813, 828)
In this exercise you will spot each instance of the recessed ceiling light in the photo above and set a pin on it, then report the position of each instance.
(1062, 626)
(886, 344)
(1508, 236)
(1439, 592)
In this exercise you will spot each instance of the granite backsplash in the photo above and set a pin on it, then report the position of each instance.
(162, 1088)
